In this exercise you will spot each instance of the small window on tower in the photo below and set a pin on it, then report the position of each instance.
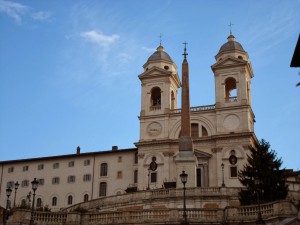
(172, 100)
(166, 67)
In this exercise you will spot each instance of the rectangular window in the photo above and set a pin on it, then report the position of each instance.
(71, 179)
(71, 164)
(25, 168)
(87, 177)
(11, 169)
(10, 184)
(87, 162)
(103, 170)
(195, 130)
(233, 171)
(55, 165)
(55, 180)
(119, 175)
(153, 177)
(25, 183)
(136, 158)
(135, 177)
(102, 189)
(41, 181)
(198, 177)
(40, 166)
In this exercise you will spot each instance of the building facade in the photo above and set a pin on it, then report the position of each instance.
(218, 137)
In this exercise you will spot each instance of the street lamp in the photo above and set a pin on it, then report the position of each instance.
(183, 178)
(259, 216)
(34, 184)
(16, 188)
(8, 193)
(149, 169)
(223, 184)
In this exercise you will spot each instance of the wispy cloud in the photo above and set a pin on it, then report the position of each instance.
(14, 10)
(19, 11)
(149, 49)
(99, 38)
(42, 16)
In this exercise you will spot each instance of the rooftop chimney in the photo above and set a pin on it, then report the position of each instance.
(78, 150)
(115, 148)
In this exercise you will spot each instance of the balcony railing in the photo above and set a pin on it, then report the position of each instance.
(231, 99)
(197, 108)
(155, 107)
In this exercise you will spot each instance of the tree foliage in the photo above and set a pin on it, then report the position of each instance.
(264, 166)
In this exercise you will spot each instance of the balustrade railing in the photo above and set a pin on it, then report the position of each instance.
(196, 109)
(50, 217)
(280, 209)
(155, 107)
(231, 99)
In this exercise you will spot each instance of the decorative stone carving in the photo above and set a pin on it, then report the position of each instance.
(215, 150)
(141, 155)
(168, 154)
(231, 122)
(154, 129)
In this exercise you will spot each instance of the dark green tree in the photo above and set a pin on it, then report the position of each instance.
(264, 167)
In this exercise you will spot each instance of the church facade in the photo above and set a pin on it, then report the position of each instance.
(210, 143)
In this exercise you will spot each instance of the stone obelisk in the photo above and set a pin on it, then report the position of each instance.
(186, 159)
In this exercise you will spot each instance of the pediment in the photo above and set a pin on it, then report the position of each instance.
(154, 72)
(229, 61)
(201, 154)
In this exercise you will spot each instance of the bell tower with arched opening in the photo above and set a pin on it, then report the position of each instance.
(233, 73)
(160, 83)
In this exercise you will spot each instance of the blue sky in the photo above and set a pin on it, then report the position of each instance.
(68, 69)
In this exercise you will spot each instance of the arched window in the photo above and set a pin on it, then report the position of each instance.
(230, 90)
(54, 201)
(86, 198)
(102, 189)
(23, 203)
(204, 132)
(70, 200)
(103, 170)
(39, 202)
(172, 100)
(155, 98)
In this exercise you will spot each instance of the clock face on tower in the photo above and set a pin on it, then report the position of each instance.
(154, 129)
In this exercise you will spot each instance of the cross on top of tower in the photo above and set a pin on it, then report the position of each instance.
(230, 25)
(184, 53)
(160, 39)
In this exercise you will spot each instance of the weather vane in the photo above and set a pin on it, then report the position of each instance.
(184, 53)
(230, 25)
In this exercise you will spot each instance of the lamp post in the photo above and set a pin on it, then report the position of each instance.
(16, 188)
(34, 184)
(223, 184)
(259, 219)
(8, 193)
(183, 178)
(149, 169)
